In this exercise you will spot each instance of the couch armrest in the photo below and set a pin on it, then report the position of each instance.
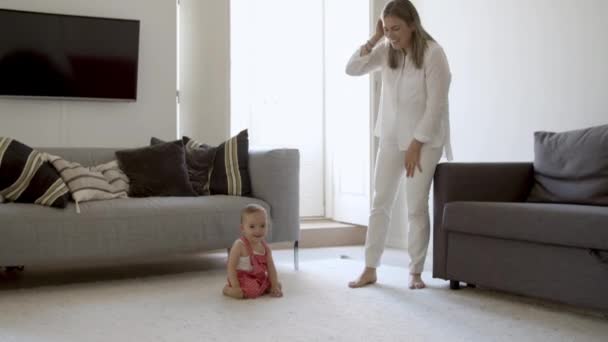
(491, 182)
(275, 179)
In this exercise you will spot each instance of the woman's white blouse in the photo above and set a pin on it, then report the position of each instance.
(413, 102)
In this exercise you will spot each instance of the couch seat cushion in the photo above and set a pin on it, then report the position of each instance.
(120, 228)
(559, 224)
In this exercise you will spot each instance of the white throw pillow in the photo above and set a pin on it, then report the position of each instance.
(105, 181)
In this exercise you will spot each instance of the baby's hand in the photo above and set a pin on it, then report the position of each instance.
(276, 291)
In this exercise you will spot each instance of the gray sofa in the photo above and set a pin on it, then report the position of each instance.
(486, 234)
(152, 226)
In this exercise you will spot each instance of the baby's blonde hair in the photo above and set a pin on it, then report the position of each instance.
(252, 208)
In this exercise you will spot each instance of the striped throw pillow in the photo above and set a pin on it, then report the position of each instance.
(26, 177)
(105, 181)
(230, 172)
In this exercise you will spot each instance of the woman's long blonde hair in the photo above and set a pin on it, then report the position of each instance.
(405, 10)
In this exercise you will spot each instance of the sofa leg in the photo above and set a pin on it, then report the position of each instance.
(14, 268)
(296, 262)
(454, 284)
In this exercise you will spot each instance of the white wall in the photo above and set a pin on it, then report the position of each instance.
(205, 69)
(95, 123)
(520, 66)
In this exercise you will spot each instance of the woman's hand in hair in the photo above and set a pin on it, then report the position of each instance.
(379, 34)
(371, 42)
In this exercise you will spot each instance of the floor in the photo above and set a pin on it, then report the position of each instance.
(178, 299)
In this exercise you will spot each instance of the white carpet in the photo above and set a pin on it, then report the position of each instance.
(317, 307)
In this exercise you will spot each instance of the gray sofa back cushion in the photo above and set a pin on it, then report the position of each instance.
(571, 167)
(85, 156)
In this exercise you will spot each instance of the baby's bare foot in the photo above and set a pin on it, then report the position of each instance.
(232, 292)
(367, 277)
(416, 282)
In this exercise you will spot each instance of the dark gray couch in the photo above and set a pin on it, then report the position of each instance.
(150, 226)
(486, 234)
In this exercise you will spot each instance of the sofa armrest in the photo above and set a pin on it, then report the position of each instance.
(275, 179)
(490, 182)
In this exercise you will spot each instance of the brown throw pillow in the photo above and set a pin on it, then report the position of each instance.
(199, 160)
(571, 167)
(158, 170)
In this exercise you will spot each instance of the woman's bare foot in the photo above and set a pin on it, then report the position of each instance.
(232, 292)
(416, 282)
(367, 277)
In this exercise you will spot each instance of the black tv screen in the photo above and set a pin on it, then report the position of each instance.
(66, 56)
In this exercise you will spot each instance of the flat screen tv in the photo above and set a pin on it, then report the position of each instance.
(44, 55)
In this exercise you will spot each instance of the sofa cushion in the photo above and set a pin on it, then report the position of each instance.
(105, 181)
(230, 172)
(27, 178)
(571, 167)
(559, 224)
(86, 156)
(158, 170)
(199, 160)
(121, 228)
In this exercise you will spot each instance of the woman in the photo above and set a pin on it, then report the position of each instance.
(412, 126)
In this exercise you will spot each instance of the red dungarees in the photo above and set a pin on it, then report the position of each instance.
(254, 283)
